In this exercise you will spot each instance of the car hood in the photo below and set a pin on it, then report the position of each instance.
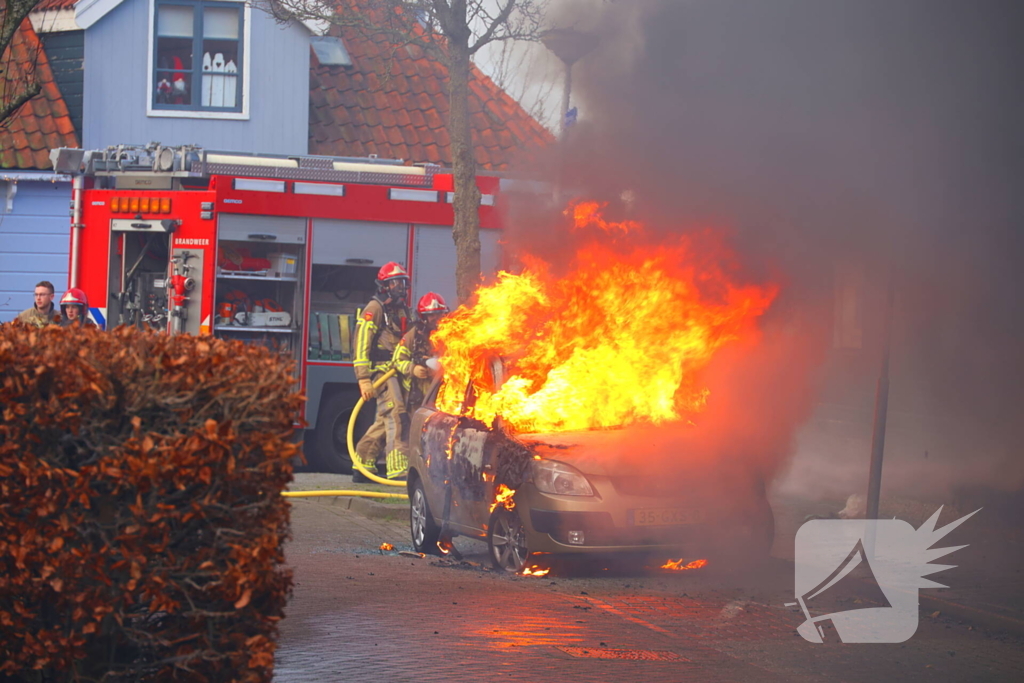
(607, 452)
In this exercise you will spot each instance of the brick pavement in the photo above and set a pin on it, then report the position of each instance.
(360, 615)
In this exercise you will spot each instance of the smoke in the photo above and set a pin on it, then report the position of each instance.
(836, 143)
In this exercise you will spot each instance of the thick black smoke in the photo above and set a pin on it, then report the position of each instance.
(827, 137)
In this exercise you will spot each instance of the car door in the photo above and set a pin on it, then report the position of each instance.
(456, 451)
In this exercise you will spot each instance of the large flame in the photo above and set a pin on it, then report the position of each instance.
(612, 338)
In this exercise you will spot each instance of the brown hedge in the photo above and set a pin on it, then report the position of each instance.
(141, 526)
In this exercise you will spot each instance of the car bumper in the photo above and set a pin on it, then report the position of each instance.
(607, 523)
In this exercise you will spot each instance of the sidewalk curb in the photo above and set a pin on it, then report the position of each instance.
(363, 506)
(976, 617)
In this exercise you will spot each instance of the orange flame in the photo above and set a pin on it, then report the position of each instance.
(535, 570)
(615, 337)
(503, 496)
(445, 545)
(678, 565)
(385, 546)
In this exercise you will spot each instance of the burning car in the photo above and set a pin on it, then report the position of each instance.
(571, 494)
(566, 419)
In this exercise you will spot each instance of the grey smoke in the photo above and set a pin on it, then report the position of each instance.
(883, 134)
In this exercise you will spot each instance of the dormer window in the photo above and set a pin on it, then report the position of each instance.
(198, 52)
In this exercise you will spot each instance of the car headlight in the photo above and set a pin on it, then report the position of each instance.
(556, 477)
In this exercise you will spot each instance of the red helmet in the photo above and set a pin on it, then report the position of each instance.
(431, 303)
(391, 271)
(74, 296)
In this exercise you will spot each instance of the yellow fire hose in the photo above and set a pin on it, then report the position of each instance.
(356, 462)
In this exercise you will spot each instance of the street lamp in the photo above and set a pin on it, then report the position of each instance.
(569, 45)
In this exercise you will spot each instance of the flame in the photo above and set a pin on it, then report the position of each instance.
(535, 570)
(385, 546)
(445, 545)
(677, 565)
(503, 496)
(614, 337)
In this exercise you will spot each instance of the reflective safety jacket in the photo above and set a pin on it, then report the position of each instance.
(378, 332)
(414, 349)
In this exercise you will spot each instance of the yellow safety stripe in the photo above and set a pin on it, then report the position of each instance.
(365, 330)
(403, 360)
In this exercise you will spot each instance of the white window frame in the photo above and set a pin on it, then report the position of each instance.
(184, 114)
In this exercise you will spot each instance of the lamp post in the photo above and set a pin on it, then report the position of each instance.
(569, 45)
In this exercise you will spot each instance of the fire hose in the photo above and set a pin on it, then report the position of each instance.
(356, 461)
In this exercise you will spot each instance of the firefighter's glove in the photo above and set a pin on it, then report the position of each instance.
(366, 389)
(420, 372)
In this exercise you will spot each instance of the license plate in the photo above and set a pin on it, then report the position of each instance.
(667, 516)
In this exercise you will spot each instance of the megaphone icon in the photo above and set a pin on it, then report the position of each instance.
(839, 584)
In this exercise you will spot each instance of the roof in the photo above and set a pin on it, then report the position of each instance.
(42, 123)
(44, 5)
(393, 102)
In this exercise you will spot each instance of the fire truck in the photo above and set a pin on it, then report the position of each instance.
(276, 250)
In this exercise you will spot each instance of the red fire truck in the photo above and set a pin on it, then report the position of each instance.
(275, 250)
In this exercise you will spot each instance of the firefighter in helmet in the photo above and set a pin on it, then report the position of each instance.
(413, 355)
(74, 309)
(378, 331)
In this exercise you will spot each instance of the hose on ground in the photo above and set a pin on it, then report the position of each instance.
(355, 494)
(356, 462)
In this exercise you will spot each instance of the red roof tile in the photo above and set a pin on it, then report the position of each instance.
(396, 101)
(54, 4)
(42, 124)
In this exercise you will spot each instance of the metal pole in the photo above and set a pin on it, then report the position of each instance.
(566, 91)
(77, 186)
(881, 411)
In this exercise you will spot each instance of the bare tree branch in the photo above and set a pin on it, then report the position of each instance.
(17, 84)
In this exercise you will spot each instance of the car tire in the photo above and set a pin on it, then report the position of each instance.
(506, 541)
(424, 529)
(330, 438)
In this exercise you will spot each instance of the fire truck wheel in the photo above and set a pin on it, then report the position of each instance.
(506, 541)
(425, 531)
(330, 443)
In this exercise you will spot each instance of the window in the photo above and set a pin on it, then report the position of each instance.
(198, 56)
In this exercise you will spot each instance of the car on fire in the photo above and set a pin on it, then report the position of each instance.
(571, 495)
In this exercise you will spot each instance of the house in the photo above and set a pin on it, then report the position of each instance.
(122, 72)
(33, 201)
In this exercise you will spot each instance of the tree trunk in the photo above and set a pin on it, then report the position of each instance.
(466, 231)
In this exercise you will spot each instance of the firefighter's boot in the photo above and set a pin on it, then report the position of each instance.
(398, 465)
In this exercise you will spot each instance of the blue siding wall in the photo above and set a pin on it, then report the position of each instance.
(116, 76)
(34, 243)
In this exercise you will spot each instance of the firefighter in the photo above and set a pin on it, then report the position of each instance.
(43, 313)
(412, 354)
(74, 308)
(378, 331)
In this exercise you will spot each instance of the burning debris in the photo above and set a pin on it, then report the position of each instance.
(677, 565)
(572, 338)
(386, 547)
(535, 570)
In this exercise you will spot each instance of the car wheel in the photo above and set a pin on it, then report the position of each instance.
(506, 541)
(330, 438)
(425, 531)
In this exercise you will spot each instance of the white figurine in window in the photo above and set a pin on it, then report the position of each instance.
(230, 84)
(207, 79)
